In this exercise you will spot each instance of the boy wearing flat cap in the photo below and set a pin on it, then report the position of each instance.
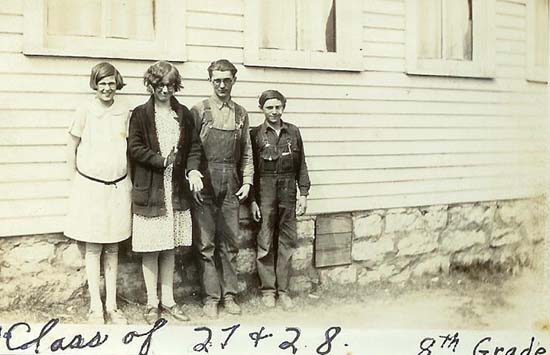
(280, 166)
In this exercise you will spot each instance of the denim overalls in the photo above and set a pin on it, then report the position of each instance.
(217, 220)
(277, 170)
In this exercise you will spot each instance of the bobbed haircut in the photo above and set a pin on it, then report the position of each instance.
(103, 70)
(222, 65)
(271, 94)
(162, 71)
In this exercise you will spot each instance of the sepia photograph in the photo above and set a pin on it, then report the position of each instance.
(328, 177)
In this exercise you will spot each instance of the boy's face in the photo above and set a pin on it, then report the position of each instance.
(222, 82)
(273, 111)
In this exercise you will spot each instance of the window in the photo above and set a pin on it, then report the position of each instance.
(131, 29)
(537, 40)
(451, 37)
(311, 34)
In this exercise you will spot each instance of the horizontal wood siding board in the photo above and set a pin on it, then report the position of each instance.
(404, 161)
(21, 65)
(38, 101)
(333, 225)
(58, 136)
(421, 199)
(10, 23)
(31, 225)
(11, 7)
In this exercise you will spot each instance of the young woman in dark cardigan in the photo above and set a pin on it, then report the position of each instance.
(162, 148)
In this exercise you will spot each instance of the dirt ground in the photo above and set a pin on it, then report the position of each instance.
(482, 299)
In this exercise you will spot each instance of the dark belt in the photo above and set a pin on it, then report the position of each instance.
(103, 181)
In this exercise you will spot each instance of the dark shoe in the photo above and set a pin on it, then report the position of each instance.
(268, 300)
(115, 316)
(231, 307)
(210, 310)
(176, 311)
(151, 314)
(286, 302)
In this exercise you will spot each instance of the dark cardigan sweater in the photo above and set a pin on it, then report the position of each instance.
(147, 164)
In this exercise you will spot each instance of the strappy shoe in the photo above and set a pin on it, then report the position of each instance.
(151, 314)
(176, 312)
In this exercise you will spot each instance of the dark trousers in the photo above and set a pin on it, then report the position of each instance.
(278, 236)
(216, 227)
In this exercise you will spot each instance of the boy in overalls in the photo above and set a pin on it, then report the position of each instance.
(228, 169)
(280, 165)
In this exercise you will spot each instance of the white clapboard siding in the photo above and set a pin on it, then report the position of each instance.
(471, 160)
(373, 139)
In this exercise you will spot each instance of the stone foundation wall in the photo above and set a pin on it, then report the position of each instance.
(393, 245)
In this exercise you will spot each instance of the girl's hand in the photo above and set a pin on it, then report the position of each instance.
(195, 180)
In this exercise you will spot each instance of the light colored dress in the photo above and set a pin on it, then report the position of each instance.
(100, 213)
(174, 228)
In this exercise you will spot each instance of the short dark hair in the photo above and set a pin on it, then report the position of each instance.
(222, 65)
(103, 70)
(271, 94)
(161, 70)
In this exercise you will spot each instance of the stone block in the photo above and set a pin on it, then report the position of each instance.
(382, 273)
(470, 258)
(306, 228)
(432, 266)
(470, 216)
(30, 258)
(72, 256)
(416, 243)
(300, 284)
(246, 261)
(367, 226)
(453, 241)
(505, 236)
(339, 275)
(401, 278)
(302, 257)
(373, 252)
(507, 212)
(436, 218)
(400, 222)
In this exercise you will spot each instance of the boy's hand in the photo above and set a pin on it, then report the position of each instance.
(301, 206)
(256, 213)
(197, 197)
(242, 194)
(195, 180)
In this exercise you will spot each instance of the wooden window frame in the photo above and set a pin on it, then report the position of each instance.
(38, 42)
(349, 34)
(483, 42)
(534, 72)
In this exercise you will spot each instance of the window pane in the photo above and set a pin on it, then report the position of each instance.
(132, 19)
(457, 31)
(316, 25)
(75, 18)
(429, 29)
(278, 24)
(541, 33)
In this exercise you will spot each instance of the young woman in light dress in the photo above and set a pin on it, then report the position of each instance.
(99, 211)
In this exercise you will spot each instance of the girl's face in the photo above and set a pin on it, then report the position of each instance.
(163, 91)
(106, 89)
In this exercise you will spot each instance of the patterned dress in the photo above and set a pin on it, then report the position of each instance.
(173, 229)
